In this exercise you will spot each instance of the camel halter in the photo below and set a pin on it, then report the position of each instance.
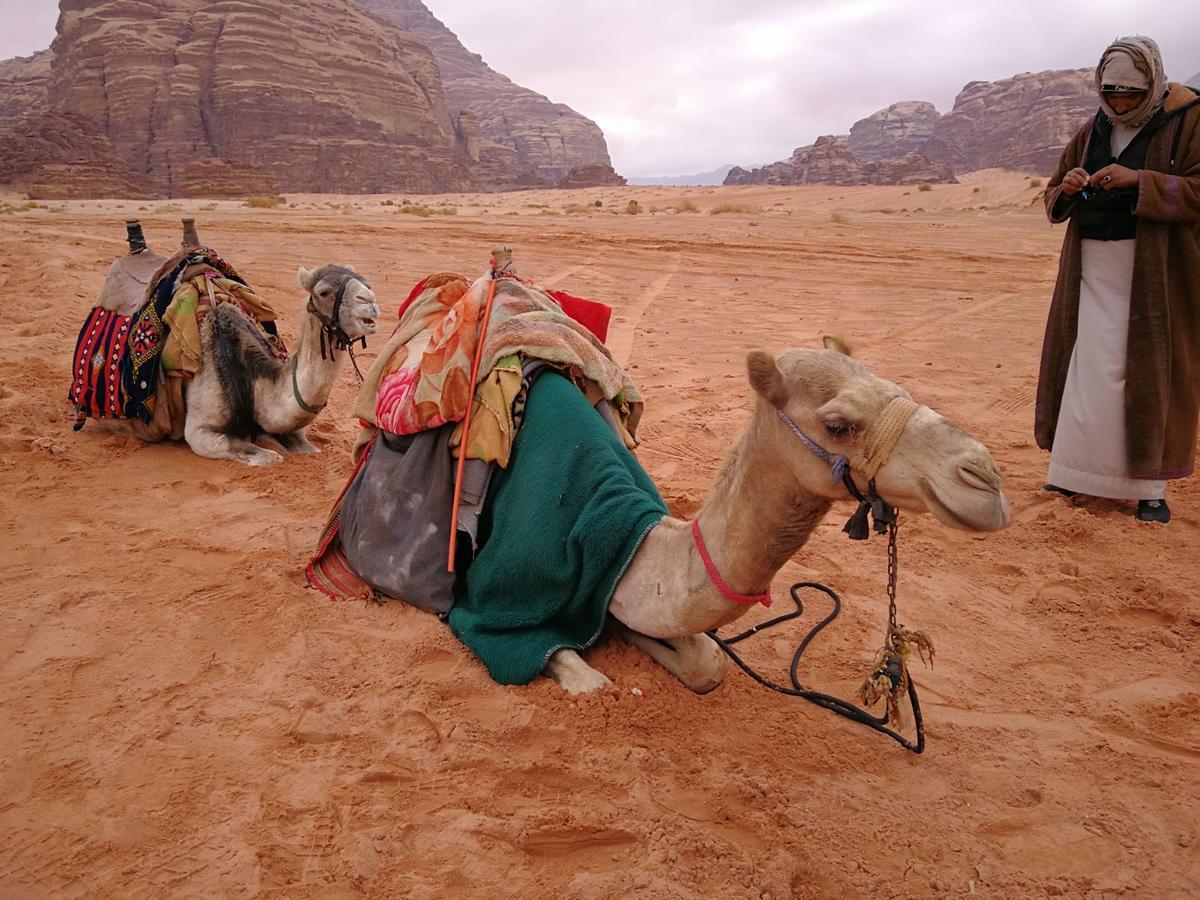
(877, 445)
(332, 332)
(889, 679)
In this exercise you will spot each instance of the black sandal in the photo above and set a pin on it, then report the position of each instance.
(1059, 490)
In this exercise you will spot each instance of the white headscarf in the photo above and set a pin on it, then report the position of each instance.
(1133, 62)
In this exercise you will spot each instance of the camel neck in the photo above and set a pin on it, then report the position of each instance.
(314, 375)
(758, 515)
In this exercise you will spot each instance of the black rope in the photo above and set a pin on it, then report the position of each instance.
(833, 704)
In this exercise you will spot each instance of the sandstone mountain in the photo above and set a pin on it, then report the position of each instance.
(518, 128)
(1020, 123)
(831, 161)
(22, 86)
(227, 97)
(902, 128)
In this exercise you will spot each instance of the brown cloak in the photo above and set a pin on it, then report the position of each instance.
(1162, 386)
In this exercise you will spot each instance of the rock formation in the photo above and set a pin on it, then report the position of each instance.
(548, 138)
(228, 98)
(901, 128)
(595, 175)
(22, 86)
(1020, 123)
(831, 161)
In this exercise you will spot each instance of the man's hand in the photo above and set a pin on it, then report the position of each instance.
(1113, 176)
(1074, 181)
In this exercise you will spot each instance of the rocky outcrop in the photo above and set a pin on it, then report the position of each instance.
(1020, 123)
(902, 128)
(591, 176)
(549, 139)
(831, 161)
(22, 86)
(228, 98)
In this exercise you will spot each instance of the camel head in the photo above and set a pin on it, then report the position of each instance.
(341, 297)
(834, 400)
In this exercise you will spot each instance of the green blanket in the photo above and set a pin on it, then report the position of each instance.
(561, 525)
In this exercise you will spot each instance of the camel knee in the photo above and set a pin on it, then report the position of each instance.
(702, 664)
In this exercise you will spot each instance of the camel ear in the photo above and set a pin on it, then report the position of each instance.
(305, 277)
(766, 378)
(837, 345)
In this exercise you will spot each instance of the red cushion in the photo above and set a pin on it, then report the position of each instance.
(591, 315)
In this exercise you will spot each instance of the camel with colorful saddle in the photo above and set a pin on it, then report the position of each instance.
(181, 346)
(495, 486)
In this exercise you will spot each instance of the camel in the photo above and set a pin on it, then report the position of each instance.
(772, 493)
(241, 392)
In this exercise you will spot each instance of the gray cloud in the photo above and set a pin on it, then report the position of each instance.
(688, 85)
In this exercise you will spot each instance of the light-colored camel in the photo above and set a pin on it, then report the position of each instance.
(241, 393)
(770, 496)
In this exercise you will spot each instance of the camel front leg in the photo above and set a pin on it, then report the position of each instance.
(211, 444)
(293, 442)
(572, 674)
(695, 660)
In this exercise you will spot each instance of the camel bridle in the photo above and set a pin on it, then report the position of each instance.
(889, 679)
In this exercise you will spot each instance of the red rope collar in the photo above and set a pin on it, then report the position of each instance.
(745, 599)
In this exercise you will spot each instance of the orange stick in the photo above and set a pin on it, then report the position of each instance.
(462, 444)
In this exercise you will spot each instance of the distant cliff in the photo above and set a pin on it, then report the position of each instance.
(519, 129)
(1021, 123)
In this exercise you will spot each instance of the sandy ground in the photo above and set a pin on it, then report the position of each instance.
(180, 715)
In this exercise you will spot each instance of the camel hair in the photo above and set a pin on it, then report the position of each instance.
(772, 493)
(242, 394)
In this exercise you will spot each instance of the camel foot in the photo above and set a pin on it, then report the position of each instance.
(695, 660)
(572, 674)
(292, 442)
(260, 456)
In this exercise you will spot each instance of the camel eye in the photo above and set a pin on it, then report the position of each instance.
(840, 429)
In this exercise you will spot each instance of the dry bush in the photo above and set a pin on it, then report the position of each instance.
(263, 201)
(597, 203)
(409, 210)
(1035, 182)
(839, 218)
(924, 187)
(574, 209)
(549, 212)
(687, 206)
(632, 208)
(976, 190)
(722, 208)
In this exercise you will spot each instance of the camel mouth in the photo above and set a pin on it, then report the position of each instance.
(975, 508)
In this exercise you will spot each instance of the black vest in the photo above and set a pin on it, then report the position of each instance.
(1108, 215)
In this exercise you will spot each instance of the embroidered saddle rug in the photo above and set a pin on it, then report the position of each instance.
(119, 359)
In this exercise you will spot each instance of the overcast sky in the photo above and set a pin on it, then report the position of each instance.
(683, 86)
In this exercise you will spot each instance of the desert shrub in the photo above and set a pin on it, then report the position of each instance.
(537, 205)
(887, 210)
(924, 187)
(549, 212)
(572, 209)
(1035, 182)
(389, 203)
(209, 207)
(409, 210)
(448, 211)
(839, 218)
(632, 208)
(597, 203)
(976, 190)
(168, 208)
(687, 206)
(262, 201)
(32, 204)
(722, 208)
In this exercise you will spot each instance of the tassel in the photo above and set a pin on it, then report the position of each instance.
(857, 527)
(882, 515)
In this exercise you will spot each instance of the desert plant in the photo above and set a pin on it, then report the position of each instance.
(409, 210)
(722, 208)
(924, 187)
(263, 201)
(1035, 182)
(839, 218)
(632, 208)
(597, 203)
(687, 206)
(976, 190)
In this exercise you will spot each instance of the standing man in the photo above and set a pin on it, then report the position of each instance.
(1119, 387)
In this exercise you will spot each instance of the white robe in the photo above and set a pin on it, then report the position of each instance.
(1089, 454)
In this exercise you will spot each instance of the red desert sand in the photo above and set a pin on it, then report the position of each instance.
(181, 715)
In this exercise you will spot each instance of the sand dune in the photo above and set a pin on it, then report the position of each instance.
(180, 715)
